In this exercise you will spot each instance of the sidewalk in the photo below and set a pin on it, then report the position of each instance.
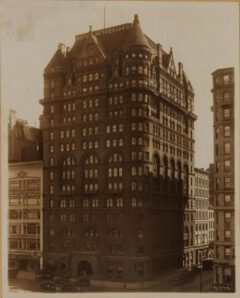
(19, 285)
(163, 279)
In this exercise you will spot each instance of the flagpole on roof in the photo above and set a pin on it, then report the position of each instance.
(104, 17)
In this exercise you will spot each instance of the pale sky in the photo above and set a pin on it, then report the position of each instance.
(204, 37)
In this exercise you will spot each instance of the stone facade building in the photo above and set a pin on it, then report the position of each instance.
(202, 215)
(25, 196)
(223, 113)
(118, 144)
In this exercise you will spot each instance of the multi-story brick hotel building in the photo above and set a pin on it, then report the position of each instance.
(223, 110)
(118, 147)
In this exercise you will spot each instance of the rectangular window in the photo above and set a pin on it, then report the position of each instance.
(227, 252)
(227, 199)
(227, 235)
(227, 217)
(227, 182)
(217, 183)
(227, 165)
(226, 113)
(217, 132)
(227, 148)
(226, 79)
(226, 131)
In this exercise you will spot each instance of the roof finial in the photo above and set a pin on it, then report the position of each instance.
(136, 20)
(90, 28)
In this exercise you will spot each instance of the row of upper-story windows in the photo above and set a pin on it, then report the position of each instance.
(139, 171)
(114, 128)
(137, 69)
(141, 112)
(115, 172)
(202, 181)
(202, 215)
(110, 202)
(66, 175)
(175, 92)
(90, 103)
(140, 141)
(226, 200)
(226, 182)
(140, 126)
(225, 96)
(140, 155)
(201, 192)
(137, 55)
(202, 203)
(90, 131)
(91, 173)
(226, 164)
(91, 77)
(115, 186)
(90, 187)
(90, 145)
(90, 89)
(114, 143)
(112, 172)
(116, 100)
(88, 61)
(67, 120)
(115, 113)
(69, 107)
(67, 133)
(140, 186)
(227, 149)
(68, 93)
(226, 113)
(90, 117)
(223, 79)
(67, 147)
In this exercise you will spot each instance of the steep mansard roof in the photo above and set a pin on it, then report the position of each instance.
(58, 60)
(109, 40)
(136, 37)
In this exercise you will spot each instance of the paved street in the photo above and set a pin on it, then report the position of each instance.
(196, 283)
(172, 282)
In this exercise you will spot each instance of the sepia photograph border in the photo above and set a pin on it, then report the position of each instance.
(4, 184)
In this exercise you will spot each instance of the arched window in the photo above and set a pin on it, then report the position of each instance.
(68, 175)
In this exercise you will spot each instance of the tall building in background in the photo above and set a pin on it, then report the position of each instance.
(118, 144)
(202, 215)
(223, 113)
(25, 196)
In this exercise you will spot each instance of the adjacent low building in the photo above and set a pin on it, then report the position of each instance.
(201, 241)
(25, 195)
